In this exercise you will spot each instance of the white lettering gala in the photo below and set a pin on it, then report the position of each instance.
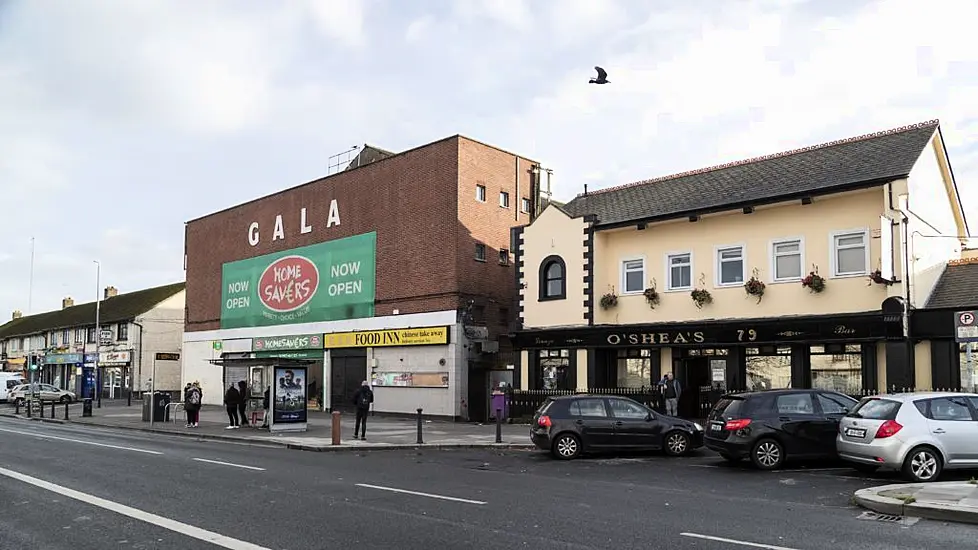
(334, 214)
(303, 227)
(305, 221)
(279, 232)
(253, 234)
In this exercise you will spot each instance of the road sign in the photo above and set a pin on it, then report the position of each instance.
(966, 326)
(167, 356)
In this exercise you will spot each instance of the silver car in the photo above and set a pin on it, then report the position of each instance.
(920, 434)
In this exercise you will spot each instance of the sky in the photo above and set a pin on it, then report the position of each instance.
(121, 120)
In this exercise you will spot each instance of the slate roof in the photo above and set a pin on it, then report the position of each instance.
(111, 310)
(957, 287)
(821, 168)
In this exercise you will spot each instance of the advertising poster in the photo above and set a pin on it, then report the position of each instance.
(411, 379)
(329, 281)
(289, 395)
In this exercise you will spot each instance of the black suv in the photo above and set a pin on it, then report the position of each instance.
(570, 425)
(770, 426)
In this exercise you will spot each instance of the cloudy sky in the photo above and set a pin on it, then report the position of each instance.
(121, 119)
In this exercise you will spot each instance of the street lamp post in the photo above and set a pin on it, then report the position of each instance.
(98, 330)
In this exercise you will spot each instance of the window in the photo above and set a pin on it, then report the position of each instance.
(635, 369)
(627, 409)
(954, 409)
(504, 316)
(850, 253)
(525, 205)
(555, 370)
(680, 275)
(633, 275)
(874, 408)
(730, 265)
(787, 260)
(123, 332)
(593, 408)
(90, 337)
(79, 335)
(835, 404)
(797, 403)
(480, 252)
(768, 369)
(504, 199)
(480, 193)
(552, 279)
(65, 337)
(53, 338)
(504, 257)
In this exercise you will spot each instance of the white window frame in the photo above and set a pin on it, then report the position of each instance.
(716, 265)
(621, 274)
(524, 205)
(480, 190)
(668, 263)
(833, 259)
(504, 198)
(773, 246)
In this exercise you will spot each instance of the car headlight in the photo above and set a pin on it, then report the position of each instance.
(698, 427)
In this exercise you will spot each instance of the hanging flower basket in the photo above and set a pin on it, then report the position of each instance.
(651, 295)
(814, 282)
(701, 297)
(877, 277)
(755, 287)
(609, 300)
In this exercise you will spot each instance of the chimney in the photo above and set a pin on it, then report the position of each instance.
(110, 291)
(67, 302)
(17, 314)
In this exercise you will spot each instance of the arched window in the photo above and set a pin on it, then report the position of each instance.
(553, 279)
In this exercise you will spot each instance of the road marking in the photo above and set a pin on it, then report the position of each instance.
(739, 542)
(160, 521)
(229, 464)
(32, 434)
(429, 495)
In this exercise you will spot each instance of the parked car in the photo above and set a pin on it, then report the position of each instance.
(569, 426)
(47, 392)
(920, 434)
(772, 426)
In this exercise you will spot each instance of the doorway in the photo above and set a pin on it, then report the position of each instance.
(693, 374)
(348, 369)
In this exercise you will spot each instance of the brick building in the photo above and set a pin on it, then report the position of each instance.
(396, 270)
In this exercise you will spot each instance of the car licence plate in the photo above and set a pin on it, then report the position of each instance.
(716, 426)
(855, 432)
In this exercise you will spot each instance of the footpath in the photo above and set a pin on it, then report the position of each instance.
(383, 432)
(942, 501)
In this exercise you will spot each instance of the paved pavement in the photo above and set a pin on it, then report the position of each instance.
(382, 432)
(79, 487)
(945, 501)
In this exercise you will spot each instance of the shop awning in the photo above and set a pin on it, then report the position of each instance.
(261, 362)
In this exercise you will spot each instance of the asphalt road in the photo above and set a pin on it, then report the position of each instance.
(83, 488)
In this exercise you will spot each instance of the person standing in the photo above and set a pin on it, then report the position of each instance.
(186, 402)
(243, 405)
(192, 405)
(671, 390)
(266, 402)
(231, 400)
(362, 399)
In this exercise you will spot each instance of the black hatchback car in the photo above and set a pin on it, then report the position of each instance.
(570, 425)
(771, 426)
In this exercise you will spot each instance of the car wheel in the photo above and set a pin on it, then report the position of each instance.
(865, 468)
(730, 458)
(677, 443)
(922, 464)
(66, 399)
(567, 446)
(767, 454)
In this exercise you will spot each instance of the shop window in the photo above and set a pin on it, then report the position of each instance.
(480, 193)
(555, 369)
(553, 279)
(850, 253)
(480, 252)
(632, 275)
(768, 369)
(699, 352)
(786, 257)
(837, 368)
(730, 265)
(504, 199)
(634, 368)
(969, 373)
(680, 276)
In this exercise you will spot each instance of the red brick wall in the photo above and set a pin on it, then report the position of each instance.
(409, 199)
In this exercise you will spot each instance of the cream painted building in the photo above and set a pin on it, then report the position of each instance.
(798, 269)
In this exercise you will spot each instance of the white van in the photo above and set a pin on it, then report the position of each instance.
(7, 381)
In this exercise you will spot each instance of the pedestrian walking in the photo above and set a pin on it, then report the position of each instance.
(243, 405)
(191, 404)
(266, 402)
(671, 390)
(232, 397)
(362, 399)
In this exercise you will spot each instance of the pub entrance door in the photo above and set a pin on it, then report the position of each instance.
(693, 374)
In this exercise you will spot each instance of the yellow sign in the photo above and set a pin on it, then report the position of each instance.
(387, 338)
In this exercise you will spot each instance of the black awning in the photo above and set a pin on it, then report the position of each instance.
(261, 362)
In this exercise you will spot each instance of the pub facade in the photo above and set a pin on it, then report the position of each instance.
(789, 270)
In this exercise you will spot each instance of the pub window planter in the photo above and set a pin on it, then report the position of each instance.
(755, 287)
(701, 297)
(877, 277)
(609, 300)
(814, 282)
(651, 295)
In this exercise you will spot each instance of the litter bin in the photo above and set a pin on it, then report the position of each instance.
(499, 403)
(160, 411)
(87, 407)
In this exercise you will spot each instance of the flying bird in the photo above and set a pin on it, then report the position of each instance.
(602, 77)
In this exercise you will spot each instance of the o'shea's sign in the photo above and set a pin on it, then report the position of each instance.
(329, 281)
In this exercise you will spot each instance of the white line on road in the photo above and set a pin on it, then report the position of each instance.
(160, 521)
(429, 495)
(229, 464)
(738, 542)
(32, 434)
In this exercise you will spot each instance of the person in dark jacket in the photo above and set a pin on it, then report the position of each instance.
(232, 398)
(362, 399)
(266, 402)
(671, 391)
(191, 404)
(186, 400)
(243, 405)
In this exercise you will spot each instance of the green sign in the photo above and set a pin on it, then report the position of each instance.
(217, 345)
(63, 358)
(301, 341)
(301, 354)
(329, 281)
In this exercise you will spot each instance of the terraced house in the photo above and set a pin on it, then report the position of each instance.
(799, 269)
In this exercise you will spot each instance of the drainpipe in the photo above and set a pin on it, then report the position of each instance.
(517, 200)
(139, 354)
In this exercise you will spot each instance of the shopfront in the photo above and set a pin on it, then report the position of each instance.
(284, 379)
(69, 371)
(305, 347)
(949, 344)
(116, 367)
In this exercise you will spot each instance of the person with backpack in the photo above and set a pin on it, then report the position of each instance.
(231, 400)
(362, 399)
(191, 404)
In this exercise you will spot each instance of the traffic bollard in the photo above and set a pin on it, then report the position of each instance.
(29, 411)
(66, 410)
(420, 439)
(336, 427)
(41, 408)
(499, 425)
(52, 410)
(17, 406)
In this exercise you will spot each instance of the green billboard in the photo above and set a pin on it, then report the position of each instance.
(329, 281)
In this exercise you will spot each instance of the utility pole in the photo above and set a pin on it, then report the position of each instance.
(98, 329)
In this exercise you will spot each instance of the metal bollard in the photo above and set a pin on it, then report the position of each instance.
(420, 439)
(16, 406)
(52, 410)
(499, 425)
(335, 427)
(29, 411)
(41, 407)
(66, 411)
